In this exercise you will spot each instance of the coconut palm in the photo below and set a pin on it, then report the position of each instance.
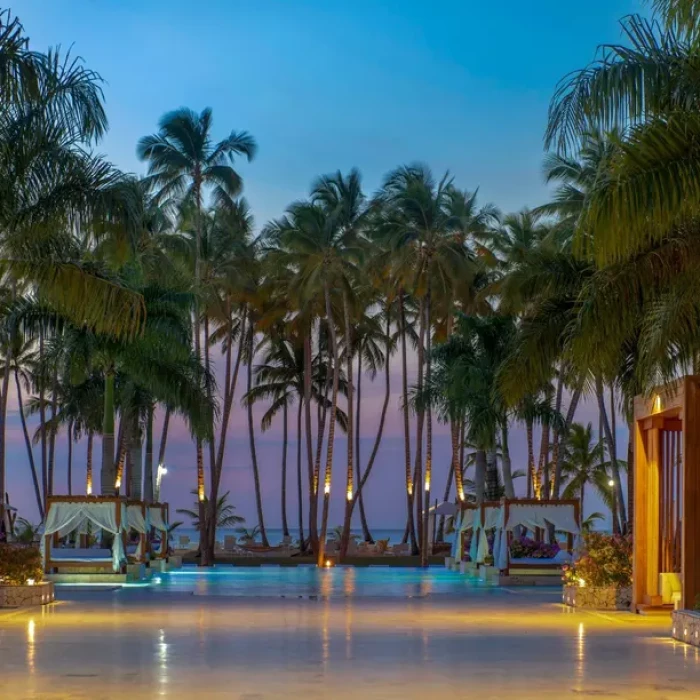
(225, 512)
(184, 162)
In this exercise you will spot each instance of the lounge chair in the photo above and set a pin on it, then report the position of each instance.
(230, 543)
(184, 542)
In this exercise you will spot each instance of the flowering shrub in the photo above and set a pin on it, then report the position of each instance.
(524, 547)
(604, 560)
(19, 564)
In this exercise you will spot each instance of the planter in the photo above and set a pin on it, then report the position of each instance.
(467, 567)
(608, 598)
(24, 596)
(489, 573)
(686, 626)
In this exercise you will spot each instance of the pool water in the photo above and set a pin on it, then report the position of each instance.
(310, 582)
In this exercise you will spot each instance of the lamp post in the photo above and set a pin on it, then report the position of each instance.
(160, 473)
(611, 484)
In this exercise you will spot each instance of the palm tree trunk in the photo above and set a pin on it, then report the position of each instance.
(285, 527)
(611, 450)
(229, 393)
(491, 475)
(148, 466)
(3, 430)
(28, 443)
(213, 498)
(479, 475)
(505, 462)
(455, 467)
(530, 456)
(136, 466)
(70, 458)
(382, 418)
(299, 477)
(164, 437)
(88, 461)
(350, 467)
(42, 416)
(425, 549)
(251, 435)
(561, 444)
(366, 534)
(446, 498)
(107, 473)
(54, 427)
(554, 467)
(410, 528)
(313, 481)
(203, 530)
(420, 415)
(331, 426)
(583, 487)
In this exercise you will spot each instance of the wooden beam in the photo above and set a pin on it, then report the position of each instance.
(690, 538)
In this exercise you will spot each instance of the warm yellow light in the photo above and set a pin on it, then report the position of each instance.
(348, 495)
(326, 489)
(427, 484)
(202, 496)
(89, 490)
(410, 489)
(30, 581)
(328, 563)
(656, 406)
(611, 482)
(461, 494)
(117, 483)
(581, 583)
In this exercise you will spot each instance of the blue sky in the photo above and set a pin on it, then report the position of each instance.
(327, 85)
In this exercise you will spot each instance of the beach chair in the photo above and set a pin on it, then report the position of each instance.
(184, 542)
(229, 543)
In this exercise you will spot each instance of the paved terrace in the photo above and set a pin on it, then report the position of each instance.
(491, 643)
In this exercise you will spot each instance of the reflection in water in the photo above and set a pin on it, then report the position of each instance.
(349, 582)
(31, 645)
(580, 655)
(162, 662)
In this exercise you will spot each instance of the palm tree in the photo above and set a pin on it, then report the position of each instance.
(183, 162)
(225, 512)
(584, 464)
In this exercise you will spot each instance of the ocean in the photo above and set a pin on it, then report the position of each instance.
(274, 534)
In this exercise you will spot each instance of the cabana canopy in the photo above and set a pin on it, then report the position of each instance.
(68, 513)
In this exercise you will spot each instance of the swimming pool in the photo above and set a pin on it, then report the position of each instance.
(310, 582)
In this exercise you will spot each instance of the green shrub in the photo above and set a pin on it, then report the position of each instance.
(604, 560)
(19, 564)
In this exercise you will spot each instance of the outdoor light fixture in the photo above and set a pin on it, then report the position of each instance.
(581, 583)
(117, 483)
(348, 495)
(30, 581)
(410, 489)
(611, 482)
(656, 406)
(328, 564)
(427, 484)
(89, 490)
(326, 489)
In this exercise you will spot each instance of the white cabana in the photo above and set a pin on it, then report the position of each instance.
(534, 515)
(66, 514)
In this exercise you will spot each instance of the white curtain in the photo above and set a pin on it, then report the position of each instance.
(534, 516)
(457, 535)
(136, 521)
(156, 517)
(66, 517)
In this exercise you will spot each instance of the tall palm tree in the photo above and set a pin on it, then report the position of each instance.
(183, 162)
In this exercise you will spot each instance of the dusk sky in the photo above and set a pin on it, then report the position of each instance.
(328, 85)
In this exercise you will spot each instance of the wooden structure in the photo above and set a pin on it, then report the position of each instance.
(505, 505)
(102, 565)
(667, 492)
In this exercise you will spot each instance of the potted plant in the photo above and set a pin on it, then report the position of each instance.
(601, 576)
(21, 575)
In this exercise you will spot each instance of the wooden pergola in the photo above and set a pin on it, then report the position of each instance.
(667, 492)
